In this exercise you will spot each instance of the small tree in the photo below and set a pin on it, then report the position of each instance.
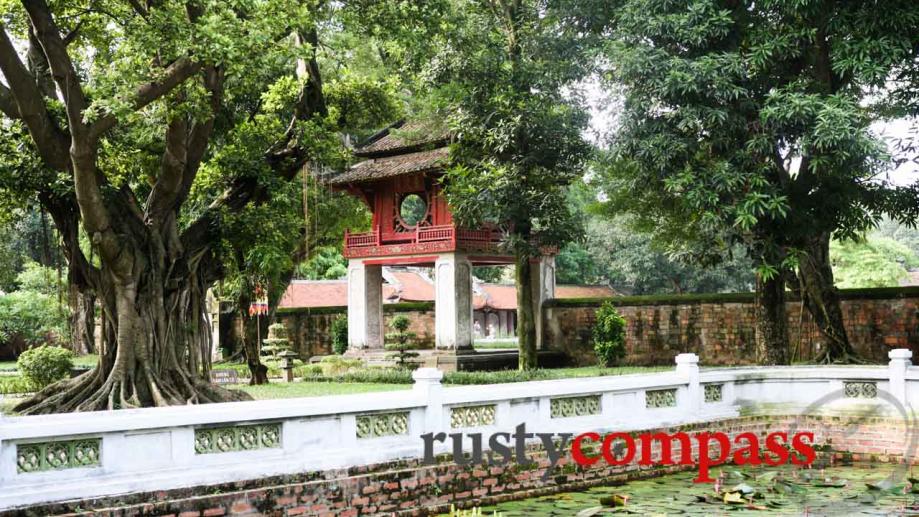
(45, 364)
(503, 78)
(401, 342)
(609, 335)
(339, 332)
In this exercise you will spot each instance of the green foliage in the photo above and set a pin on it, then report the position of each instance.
(339, 333)
(401, 342)
(750, 124)
(872, 262)
(326, 263)
(39, 279)
(609, 335)
(33, 314)
(492, 274)
(498, 81)
(44, 365)
(617, 251)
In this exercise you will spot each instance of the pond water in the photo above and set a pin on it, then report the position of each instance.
(862, 489)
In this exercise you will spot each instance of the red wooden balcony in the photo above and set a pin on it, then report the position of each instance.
(426, 239)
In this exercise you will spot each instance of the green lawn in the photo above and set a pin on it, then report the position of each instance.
(284, 390)
(84, 361)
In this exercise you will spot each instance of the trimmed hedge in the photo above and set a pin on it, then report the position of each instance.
(872, 293)
(343, 309)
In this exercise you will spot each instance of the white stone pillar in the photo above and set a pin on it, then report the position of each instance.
(428, 387)
(453, 302)
(897, 368)
(688, 366)
(365, 305)
(543, 276)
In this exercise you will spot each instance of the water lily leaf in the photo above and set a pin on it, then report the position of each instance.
(589, 512)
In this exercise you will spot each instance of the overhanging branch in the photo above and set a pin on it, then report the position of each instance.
(174, 75)
(51, 142)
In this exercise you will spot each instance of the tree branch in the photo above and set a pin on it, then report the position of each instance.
(62, 68)
(51, 142)
(175, 74)
(171, 171)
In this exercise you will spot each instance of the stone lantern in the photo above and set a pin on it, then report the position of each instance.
(287, 364)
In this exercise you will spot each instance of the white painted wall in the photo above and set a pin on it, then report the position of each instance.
(153, 449)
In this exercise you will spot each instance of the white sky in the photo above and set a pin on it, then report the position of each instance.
(604, 108)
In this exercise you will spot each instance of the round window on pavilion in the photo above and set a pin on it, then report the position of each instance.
(413, 210)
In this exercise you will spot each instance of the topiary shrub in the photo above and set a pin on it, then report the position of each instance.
(45, 364)
(609, 335)
(401, 342)
(339, 333)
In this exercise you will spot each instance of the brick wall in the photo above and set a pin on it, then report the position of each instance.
(410, 488)
(309, 329)
(720, 328)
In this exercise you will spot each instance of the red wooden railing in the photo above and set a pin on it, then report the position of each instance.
(362, 240)
(435, 233)
(479, 237)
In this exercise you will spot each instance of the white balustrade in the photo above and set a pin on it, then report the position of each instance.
(81, 455)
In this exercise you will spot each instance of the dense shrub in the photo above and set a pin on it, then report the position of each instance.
(32, 315)
(45, 364)
(609, 335)
(339, 333)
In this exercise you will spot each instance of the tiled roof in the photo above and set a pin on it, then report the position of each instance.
(411, 286)
(380, 168)
(497, 297)
(400, 138)
(311, 294)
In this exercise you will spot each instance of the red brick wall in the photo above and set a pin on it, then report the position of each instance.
(722, 332)
(409, 488)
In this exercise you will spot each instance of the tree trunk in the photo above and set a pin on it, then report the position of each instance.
(526, 322)
(156, 342)
(822, 300)
(253, 329)
(771, 322)
(82, 320)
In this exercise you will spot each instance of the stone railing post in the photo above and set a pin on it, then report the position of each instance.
(428, 387)
(899, 364)
(688, 365)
